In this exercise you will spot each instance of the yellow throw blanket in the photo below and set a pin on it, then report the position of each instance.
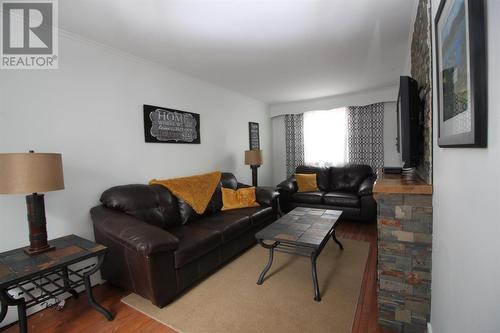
(196, 191)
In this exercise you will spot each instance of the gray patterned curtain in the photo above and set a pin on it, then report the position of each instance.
(294, 133)
(365, 126)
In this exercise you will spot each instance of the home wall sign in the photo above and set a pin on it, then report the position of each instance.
(165, 125)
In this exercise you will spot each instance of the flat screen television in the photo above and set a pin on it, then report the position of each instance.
(409, 111)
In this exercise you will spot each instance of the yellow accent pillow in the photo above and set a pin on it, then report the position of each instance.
(241, 198)
(306, 182)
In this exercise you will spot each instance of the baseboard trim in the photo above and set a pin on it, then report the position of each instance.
(429, 327)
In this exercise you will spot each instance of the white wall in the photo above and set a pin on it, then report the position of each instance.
(90, 110)
(383, 94)
(279, 149)
(466, 246)
(391, 156)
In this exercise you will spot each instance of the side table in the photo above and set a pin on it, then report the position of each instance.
(38, 279)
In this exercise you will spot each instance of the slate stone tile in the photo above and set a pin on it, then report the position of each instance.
(386, 211)
(389, 223)
(412, 328)
(386, 235)
(299, 226)
(422, 237)
(390, 199)
(404, 236)
(417, 226)
(419, 200)
(392, 247)
(403, 212)
(417, 305)
(392, 274)
(394, 286)
(391, 324)
(403, 316)
(423, 289)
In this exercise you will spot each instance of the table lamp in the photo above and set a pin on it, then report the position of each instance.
(30, 173)
(254, 159)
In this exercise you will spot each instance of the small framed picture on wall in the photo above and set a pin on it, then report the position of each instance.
(253, 133)
(461, 73)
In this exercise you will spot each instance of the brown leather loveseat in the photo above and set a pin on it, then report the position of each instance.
(159, 246)
(348, 188)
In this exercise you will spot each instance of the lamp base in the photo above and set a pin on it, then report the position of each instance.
(37, 225)
(34, 252)
(254, 174)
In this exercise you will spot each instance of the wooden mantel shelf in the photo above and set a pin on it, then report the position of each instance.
(391, 183)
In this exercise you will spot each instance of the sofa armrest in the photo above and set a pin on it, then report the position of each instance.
(140, 256)
(289, 185)
(267, 196)
(132, 233)
(366, 186)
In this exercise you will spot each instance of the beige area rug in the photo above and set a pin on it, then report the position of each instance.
(230, 301)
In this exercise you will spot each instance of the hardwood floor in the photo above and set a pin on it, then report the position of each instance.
(78, 316)
(366, 319)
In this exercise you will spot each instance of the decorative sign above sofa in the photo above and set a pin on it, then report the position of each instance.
(170, 126)
(253, 132)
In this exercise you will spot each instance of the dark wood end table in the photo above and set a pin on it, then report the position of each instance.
(303, 232)
(49, 275)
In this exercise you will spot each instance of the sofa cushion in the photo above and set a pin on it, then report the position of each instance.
(349, 177)
(231, 226)
(308, 197)
(342, 199)
(322, 175)
(194, 242)
(152, 204)
(257, 215)
(188, 214)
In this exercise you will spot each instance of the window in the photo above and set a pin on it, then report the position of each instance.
(325, 137)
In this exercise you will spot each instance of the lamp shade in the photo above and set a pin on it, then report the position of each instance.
(253, 157)
(22, 173)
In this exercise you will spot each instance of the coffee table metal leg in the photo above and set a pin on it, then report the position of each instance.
(21, 313)
(268, 266)
(317, 296)
(3, 310)
(269, 262)
(7, 300)
(67, 285)
(90, 296)
(336, 240)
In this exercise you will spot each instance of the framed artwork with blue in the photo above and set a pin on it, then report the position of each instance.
(460, 38)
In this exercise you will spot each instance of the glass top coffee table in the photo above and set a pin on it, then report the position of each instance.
(303, 232)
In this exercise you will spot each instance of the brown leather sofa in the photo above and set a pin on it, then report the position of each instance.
(159, 246)
(347, 188)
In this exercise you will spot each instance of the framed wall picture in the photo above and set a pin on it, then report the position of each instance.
(253, 133)
(165, 125)
(461, 73)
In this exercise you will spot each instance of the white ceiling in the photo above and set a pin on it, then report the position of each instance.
(272, 50)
